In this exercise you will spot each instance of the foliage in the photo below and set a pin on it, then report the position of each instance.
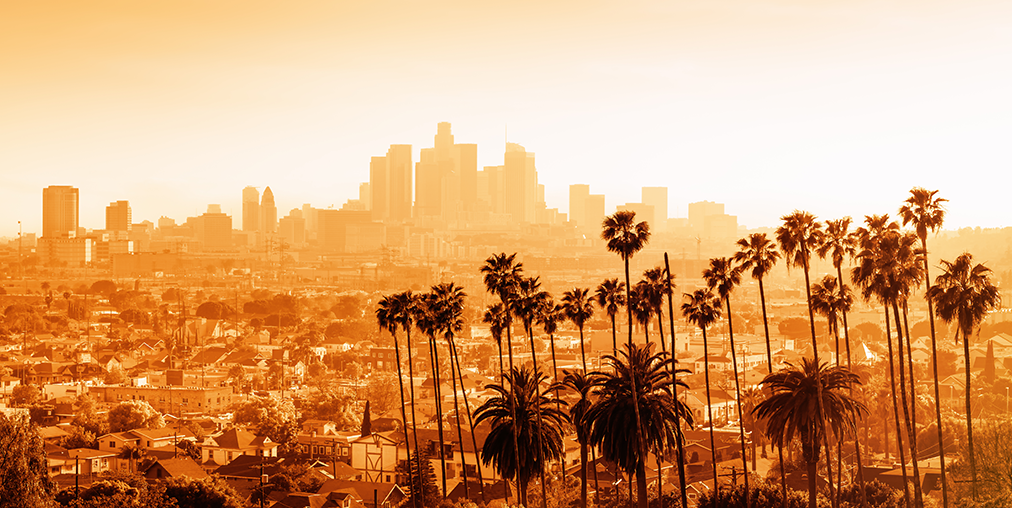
(25, 395)
(276, 418)
(24, 478)
(422, 482)
(993, 454)
(215, 310)
(103, 287)
(134, 414)
(210, 492)
(86, 416)
(79, 438)
(761, 493)
(137, 317)
(878, 495)
(381, 390)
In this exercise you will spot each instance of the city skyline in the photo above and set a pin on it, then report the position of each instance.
(838, 108)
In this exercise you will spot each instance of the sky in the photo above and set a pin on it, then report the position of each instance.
(837, 107)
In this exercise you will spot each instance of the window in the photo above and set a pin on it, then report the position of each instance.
(112, 444)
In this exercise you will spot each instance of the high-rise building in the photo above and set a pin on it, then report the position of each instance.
(594, 212)
(390, 184)
(643, 211)
(446, 178)
(250, 209)
(520, 180)
(465, 159)
(578, 194)
(657, 197)
(118, 217)
(213, 229)
(60, 211)
(365, 195)
(292, 228)
(268, 212)
(708, 219)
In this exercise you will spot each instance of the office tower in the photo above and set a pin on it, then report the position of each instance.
(292, 228)
(165, 223)
(428, 185)
(708, 220)
(213, 229)
(465, 159)
(250, 209)
(60, 211)
(702, 209)
(520, 181)
(578, 194)
(644, 212)
(268, 212)
(118, 217)
(365, 195)
(334, 228)
(390, 184)
(657, 197)
(446, 178)
(594, 213)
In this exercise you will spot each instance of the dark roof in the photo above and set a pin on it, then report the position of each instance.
(181, 466)
(248, 466)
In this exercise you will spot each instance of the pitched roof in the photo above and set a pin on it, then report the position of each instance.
(180, 466)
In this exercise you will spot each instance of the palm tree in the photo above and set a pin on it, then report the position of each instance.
(549, 317)
(495, 318)
(964, 293)
(703, 309)
(523, 462)
(926, 213)
(670, 282)
(131, 452)
(449, 310)
(610, 295)
(427, 320)
(501, 274)
(637, 369)
(527, 304)
(390, 314)
(576, 303)
(656, 287)
(723, 276)
(583, 384)
(759, 254)
(840, 242)
(642, 309)
(809, 402)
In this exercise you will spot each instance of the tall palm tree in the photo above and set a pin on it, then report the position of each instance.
(495, 318)
(523, 462)
(449, 310)
(501, 274)
(527, 304)
(549, 317)
(656, 287)
(642, 309)
(964, 293)
(809, 402)
(636, 369)
(583, 384)
(888, 266)
(610, 295)
(703, 309)
(759, 254)
(839, 242)
(723, 276)
(926, 213)
(576, 303)
(626, 237)
(427, 321)
(390, 314)
(670, 282)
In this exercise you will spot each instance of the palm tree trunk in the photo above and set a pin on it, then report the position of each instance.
(558, 398)
(660, 329)
(674, 392)
(404, 416)
(614, 337)
(815, 347)
(969, 416)
(850, 366)
(737, 396)
(456, 411)
(583, 352)
(537, 408)
(839, 439)
(769, 368)
(641, 482)
(470, 422)
(709, 412)
(434, 360)
(583, 475)
(918, 496)
(896, 412)
(521, 489)
(813, 483)
(597, 485)
(635, 392)
(934, 371)
(903, 400)
(411, 388)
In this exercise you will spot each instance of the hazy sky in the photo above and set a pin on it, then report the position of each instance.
(837, 107)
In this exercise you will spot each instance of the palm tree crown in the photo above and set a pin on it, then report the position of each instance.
(924, 210)
(702, 309)
(799, 235)
(757, 253)
(624, 235)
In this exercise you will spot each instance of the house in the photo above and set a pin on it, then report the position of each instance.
(320, 438)
(376, 455)
(369, 494)
(174, 468)
(224, 447)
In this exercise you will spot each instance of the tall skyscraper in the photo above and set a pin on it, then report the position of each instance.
(213, 229)
(657, 197)
(268, 212)
(250, 209)
(60, 211)
(520, 180)
(578, 194)
(594, 212)
(390, 183)
(465, 159)
(118, 217)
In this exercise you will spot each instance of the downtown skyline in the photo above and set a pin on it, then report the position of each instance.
(837, 108)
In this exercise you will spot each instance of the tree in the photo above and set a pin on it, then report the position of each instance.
(24, 476)
(134, 414)
(576, 303)
(272, 417)
(926, 213)
(642, 309)
(723, 276)
(498, 449)
(965, 294)
(636, 369)
(626, 237)
(794, 409)
(422, 489)
(702, 309)
(103, 287)
(427, 321)
(210, 492)
(583, 384)
(25, 395)
(610, 295)
(393, 312)
(131, 453)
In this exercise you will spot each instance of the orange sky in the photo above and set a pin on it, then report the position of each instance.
(838, 107)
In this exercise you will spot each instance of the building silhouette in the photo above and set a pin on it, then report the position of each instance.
(60, 211)
(250, 209)
(657, 197)
(118, 218)
(520, 184)
(390, 184)
(268, 213)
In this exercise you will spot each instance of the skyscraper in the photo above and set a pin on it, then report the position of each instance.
(657, 197)
(578, 194)
(60, 211)
(390, 184)
(250, 209)
(118, 217)
(268, 212)
(520, 180)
